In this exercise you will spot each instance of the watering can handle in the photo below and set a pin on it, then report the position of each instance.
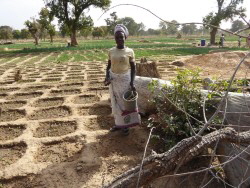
(132, 87)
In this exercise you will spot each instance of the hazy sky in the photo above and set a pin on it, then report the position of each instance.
(15, 12)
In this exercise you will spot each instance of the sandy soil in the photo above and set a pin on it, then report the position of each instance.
(54, 122)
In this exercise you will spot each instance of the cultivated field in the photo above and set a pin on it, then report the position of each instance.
(55, 118)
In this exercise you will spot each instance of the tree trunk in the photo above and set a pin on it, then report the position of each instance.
(158, 165)
(212, 36)
(73, 38)
(36, 40)
(51, 39)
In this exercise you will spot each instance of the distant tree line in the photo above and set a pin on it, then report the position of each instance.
(73, 22)
(7, 33)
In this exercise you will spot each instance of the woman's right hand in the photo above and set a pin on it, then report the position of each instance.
(107, 80)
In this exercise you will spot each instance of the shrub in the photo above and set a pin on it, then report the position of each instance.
(179, 109)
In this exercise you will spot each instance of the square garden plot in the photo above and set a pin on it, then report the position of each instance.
(86, 99)
(55, 128)
(20, 96)
(11, 131)
(47, 102)
(58, 152)
(65, 92)
(48, 113)
(12, 104)
(9, 154)
(12, 115)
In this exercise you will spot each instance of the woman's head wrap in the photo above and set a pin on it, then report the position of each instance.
(121, 28)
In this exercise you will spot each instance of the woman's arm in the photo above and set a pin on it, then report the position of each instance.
(108, 78)
(133, 70)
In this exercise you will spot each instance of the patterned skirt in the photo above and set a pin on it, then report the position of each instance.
(120, 83)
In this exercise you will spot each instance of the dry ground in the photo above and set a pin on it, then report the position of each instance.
(54, 121)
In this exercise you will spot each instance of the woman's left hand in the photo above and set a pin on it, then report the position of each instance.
(132, 86)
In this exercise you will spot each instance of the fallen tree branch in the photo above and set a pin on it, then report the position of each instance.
(158, 165)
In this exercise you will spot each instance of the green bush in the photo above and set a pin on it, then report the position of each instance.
(179, 109)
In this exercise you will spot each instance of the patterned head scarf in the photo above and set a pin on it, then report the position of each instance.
(121, 28)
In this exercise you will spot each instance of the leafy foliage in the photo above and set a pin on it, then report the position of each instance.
(173, 106)
(225, 11)
(34, 28)
(237, 25)
(189, 29)
(97, 32)
(24, 34)
(111, 22)
(70, 13)
(45, 20)
(6, 32)
(16, 34)
(133, 27)
(169, 29)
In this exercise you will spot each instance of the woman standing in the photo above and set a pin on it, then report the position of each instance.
(248, 40)
(222, 39)
(120, 76)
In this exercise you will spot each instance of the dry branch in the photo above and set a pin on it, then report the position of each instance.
(158, 165)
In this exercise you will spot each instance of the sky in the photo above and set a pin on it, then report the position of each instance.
(15, 12)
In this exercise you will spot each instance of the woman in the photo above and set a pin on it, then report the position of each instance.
(248, 40)
(120, 74)
(222, 39)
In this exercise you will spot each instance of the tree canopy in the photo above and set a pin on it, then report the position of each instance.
(133, 27)
(97, 32)
(189, 29)
(111, 22)
(34, 28)
(16, 34)
(24, 34)
(226, 9)
(169, 29)
(71, 13)
(237, 25)
(5, 32)
(46, 23)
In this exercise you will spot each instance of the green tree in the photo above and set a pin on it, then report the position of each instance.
(52, 32)
(226, 9)
(172, 29)
(130, 23)
(237, 25)
(168, 28)
(189, 29)
(16, 34)
(64, 30)
(34, 28)
(203, 30)
(86, 32)
(111, 22)
(151, 31)
(97, 32)
(105, 31)
(163, 27)
(140, 29)
(5, 32)
(46, 26)
(24, 34)
(70, 12)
